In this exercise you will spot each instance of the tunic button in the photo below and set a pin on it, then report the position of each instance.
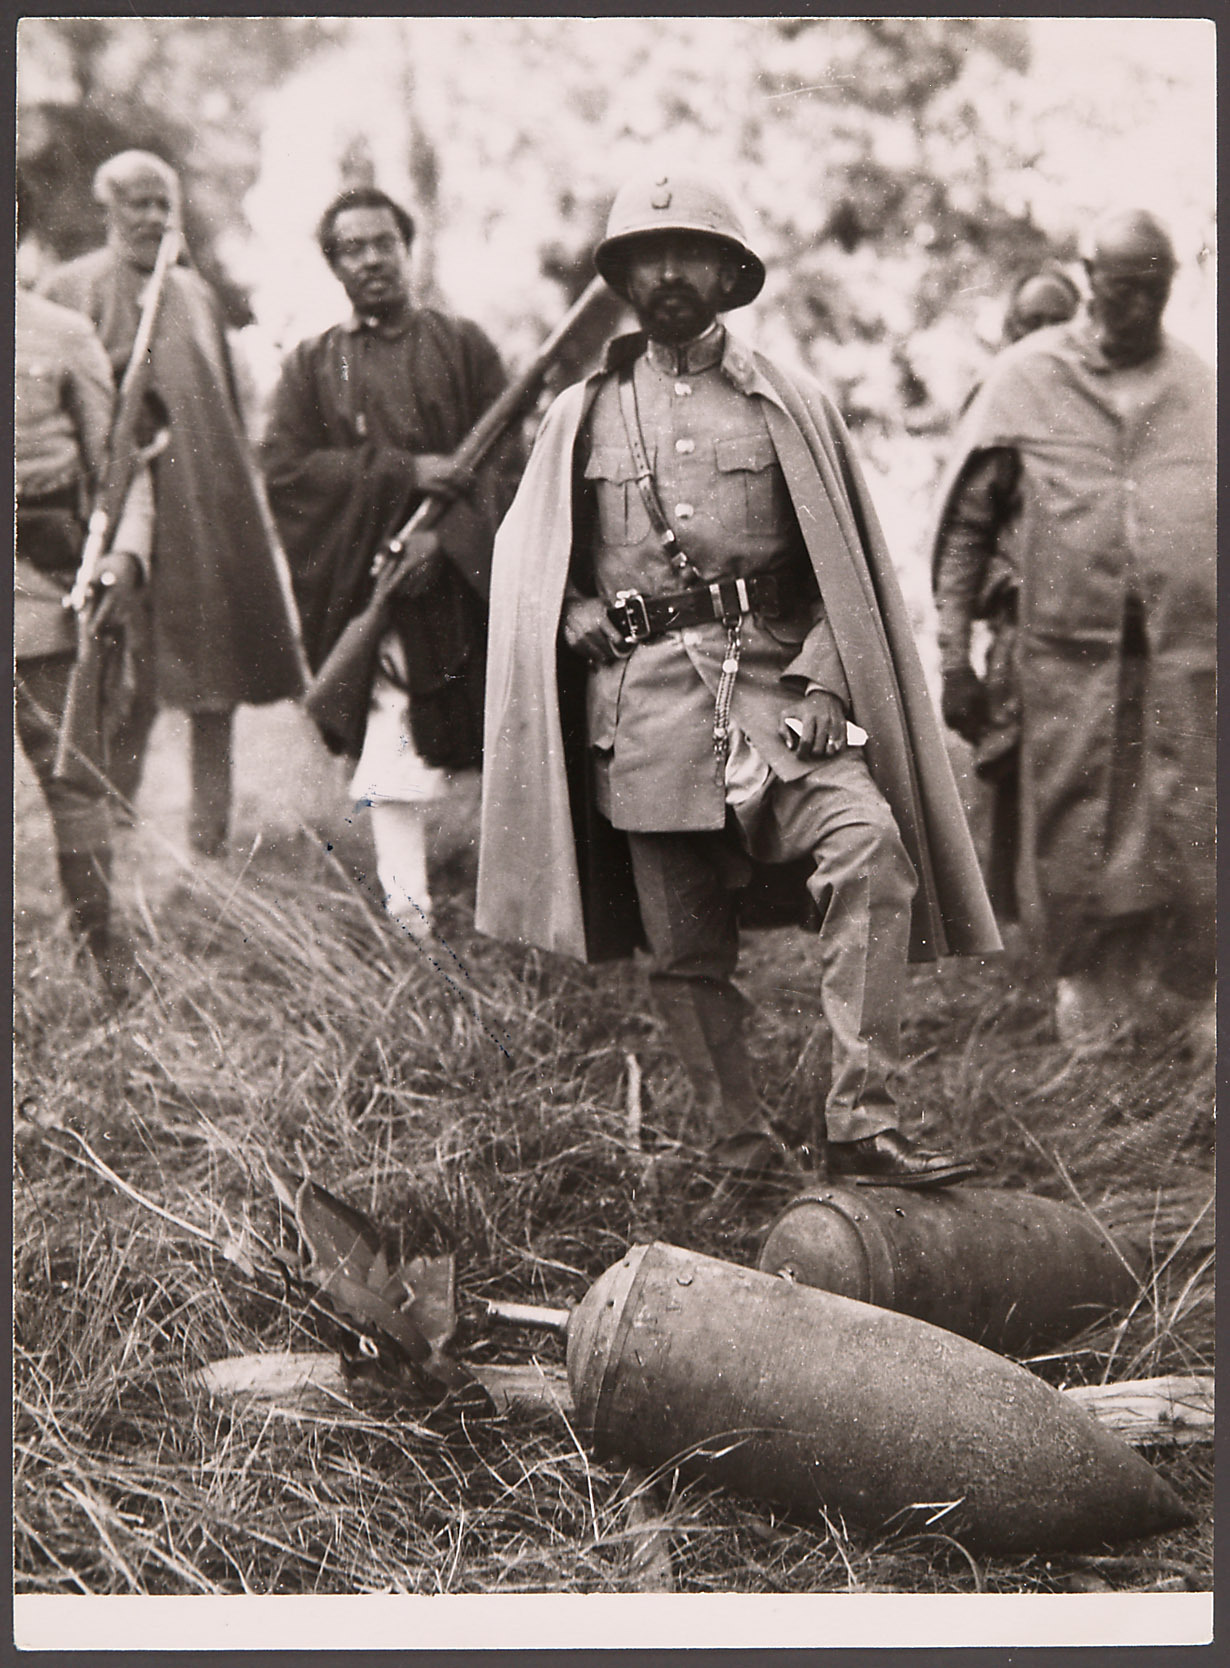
(682, 388)
(685, 512)
(685, 446)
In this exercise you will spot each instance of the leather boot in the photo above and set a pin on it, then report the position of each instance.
(705, 1019)
(86, 879)
(211, 782)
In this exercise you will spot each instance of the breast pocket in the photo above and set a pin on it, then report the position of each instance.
(622, 518)
(750, 490)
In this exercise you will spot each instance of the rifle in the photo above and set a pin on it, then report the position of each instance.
(81, 743)
(338, 695)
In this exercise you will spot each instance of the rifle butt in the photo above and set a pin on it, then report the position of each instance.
(80, 756)
(338, 696)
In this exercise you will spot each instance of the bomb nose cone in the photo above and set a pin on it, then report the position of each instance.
(1156, 1509)
(822, 1402)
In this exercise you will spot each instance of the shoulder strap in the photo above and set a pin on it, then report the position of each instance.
(646, 486)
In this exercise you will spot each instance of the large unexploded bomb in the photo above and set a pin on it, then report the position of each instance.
(1010, 1270)
(824, 1403)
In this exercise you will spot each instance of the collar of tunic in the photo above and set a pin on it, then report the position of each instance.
(735, 360)
(689, 358)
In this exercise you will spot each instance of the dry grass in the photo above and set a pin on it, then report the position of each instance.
(474, 1100)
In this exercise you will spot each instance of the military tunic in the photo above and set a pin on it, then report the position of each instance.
(651, 714)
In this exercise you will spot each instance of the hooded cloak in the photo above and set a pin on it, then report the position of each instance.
(1117, 500)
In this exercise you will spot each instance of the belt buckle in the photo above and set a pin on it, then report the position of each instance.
(741, 603)
(636, 626)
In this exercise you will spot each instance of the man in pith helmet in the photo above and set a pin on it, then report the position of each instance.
(701, 670)
(1079, 517)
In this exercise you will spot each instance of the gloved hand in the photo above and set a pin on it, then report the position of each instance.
(963, 702)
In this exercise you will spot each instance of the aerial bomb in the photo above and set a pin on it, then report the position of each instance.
(825, 1404)
(1010, 1270)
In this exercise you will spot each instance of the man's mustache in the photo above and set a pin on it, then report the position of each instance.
(672, 292)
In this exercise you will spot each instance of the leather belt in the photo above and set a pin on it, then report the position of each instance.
(641, 618)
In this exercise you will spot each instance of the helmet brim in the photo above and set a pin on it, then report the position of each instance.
(610, 254)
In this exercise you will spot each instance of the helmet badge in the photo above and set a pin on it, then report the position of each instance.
(661, 198)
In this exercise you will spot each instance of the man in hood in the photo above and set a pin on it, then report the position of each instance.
(700, 665)
(1079, 520)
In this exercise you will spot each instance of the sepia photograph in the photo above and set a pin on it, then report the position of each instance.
(614, 806)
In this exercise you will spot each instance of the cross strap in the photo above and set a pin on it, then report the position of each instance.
(646, 486)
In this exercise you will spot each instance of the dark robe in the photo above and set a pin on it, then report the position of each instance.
(352, 406)
(223, 623)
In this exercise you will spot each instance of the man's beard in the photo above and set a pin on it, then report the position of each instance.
(675, 315)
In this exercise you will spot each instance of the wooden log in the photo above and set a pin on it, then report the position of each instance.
(649, 1547)
(1145, 1411)
(291, 1381)
(1173, 1411)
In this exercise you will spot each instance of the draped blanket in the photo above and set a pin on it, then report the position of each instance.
(224, 628)
(348, 415)
(1117, 500)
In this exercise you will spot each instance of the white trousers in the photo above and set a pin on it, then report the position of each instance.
(397, 783)
(400, 835)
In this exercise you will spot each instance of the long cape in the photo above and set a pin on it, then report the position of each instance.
(1116, 494)
(224, 627)
(553, 874)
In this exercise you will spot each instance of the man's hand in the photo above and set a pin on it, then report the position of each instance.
(963, 702)
(814, 727)
(422, 555)
(588, 630)
(436, 473)
(119, 574)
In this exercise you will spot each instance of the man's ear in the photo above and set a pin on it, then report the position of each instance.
(728, 273)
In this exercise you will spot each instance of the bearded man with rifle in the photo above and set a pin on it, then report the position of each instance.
(363, 426)
(63, 418)
(216, 625)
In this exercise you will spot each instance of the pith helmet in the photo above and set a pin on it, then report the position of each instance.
(677, 202)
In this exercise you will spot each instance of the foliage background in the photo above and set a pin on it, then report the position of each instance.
(898, 172)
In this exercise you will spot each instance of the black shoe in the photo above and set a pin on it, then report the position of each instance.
(890, 1160)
